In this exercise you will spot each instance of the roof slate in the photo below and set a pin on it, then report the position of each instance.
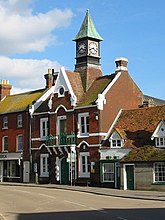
(20, 102)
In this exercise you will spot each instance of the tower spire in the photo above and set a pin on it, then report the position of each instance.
(88, 29)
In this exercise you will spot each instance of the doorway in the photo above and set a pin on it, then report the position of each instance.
(130, 176)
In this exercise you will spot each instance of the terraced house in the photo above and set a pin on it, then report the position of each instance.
(137, 141)
(15, 131)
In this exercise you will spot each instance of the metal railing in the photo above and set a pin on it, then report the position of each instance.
(61, 139)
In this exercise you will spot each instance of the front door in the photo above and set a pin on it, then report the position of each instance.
(1, 171)
(130, 176)
(26, 171)
(64, 171)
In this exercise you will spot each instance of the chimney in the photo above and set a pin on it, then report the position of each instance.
(5, 88)
(49, 78)
(121, 63)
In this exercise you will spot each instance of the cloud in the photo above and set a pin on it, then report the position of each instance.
(25, 74)
(22, 31)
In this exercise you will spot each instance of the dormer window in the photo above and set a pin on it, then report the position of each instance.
(159, 135)
(61, 91)
(160, 141)
(115, 140)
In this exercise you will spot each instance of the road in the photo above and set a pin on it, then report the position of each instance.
(37, 203)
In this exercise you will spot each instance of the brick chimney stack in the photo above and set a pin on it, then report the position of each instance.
(5, 88)
(121, 63)
(49, 78)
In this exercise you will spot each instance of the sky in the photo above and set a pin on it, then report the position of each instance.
(38, 34)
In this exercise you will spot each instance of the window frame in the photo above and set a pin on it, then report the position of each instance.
(86, 124)
(5, 122)
(159, 170)
(19, 121)
(59, 94)
(111, 173)
(43, 128)
(18, 142)
(3, 143)
(44, 168)
(158, 141)
(85, 173)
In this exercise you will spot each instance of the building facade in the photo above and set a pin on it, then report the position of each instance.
(68, 128)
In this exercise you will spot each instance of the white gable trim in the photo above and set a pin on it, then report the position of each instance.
(63, 81)
(157, 130)
(113, 124)
(101, 100)
(41, 100)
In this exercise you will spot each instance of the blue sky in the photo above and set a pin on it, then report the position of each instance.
(37, 35)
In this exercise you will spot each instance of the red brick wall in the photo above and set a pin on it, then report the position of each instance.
(13, 131)
(124, 94)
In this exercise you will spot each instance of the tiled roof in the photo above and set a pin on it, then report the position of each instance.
(147, 153)
(19, 102)
(76, 83)
(97, 87)
(138, 125)
(136, 128)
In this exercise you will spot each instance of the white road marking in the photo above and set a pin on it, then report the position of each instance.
(51, 197)
(91, 208)
(1, 215)
(121, 218)
(74, 203)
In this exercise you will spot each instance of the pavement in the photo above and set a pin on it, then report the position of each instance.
(132, 194)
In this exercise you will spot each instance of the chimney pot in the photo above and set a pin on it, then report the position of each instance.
(121, 63)
(5, 88)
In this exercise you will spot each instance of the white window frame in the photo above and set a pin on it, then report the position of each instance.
(61, 95)
(59, 118)
(85, 116)
(158, 170)
(160, 142)
(5, 122)
(44, 169)
(43, 131)
(3, 143)
(115, 140)
(85, 174)
(19, 120)
(18, 142)
(111, 172)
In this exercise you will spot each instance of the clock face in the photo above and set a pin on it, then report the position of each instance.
(81, 48)
(93, 48)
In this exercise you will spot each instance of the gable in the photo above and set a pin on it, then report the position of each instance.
(63, 82)
(115, 135)
(160, 130)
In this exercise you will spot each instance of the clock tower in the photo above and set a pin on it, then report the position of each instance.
(88, 51)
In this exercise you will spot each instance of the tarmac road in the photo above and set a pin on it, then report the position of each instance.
(21, 202)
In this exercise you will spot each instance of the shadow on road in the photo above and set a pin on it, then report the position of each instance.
(104, 214)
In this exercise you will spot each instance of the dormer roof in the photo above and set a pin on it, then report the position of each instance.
(138, 125)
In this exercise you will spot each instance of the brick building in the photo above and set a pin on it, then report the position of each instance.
(67, 129)
(15, 131)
